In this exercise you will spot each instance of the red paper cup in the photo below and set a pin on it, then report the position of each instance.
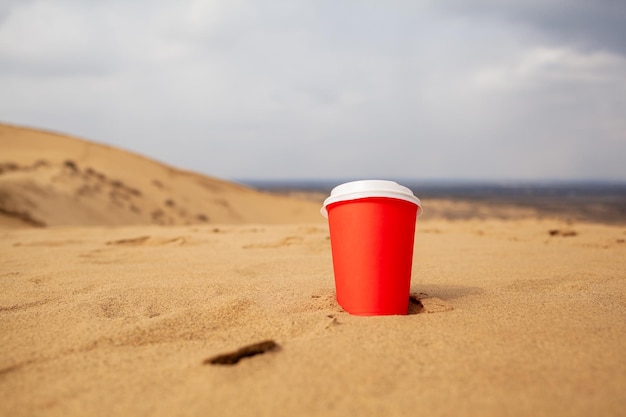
(372, 229)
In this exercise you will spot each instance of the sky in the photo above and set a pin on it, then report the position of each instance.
(319, 89)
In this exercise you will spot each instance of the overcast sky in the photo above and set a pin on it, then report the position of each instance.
(461, 89)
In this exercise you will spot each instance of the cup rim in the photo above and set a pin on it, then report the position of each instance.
(355, 190)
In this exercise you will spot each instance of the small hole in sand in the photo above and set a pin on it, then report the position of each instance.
(415, 305)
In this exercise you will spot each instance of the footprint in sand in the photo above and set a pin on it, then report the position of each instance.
(288, 241)
(130, 241)
(25, 306)
(50, 243)
(149, 241)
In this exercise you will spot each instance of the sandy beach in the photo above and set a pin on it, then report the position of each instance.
(518, 316)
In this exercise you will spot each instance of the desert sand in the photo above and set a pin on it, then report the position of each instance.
(49, 179)
(511, 317)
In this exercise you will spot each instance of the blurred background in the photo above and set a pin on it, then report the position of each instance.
(470, 90)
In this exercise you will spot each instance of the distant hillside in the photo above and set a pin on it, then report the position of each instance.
(47, 179)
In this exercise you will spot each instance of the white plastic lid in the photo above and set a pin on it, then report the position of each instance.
(370, 188)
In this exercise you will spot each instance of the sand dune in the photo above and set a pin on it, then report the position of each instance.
(48, 179)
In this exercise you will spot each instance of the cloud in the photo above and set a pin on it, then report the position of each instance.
(590, 25)
(238, 89)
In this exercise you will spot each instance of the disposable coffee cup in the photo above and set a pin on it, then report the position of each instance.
(372, 231)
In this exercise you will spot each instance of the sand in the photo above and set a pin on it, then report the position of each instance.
(49, 179)
(119, 321)
(235, 315)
